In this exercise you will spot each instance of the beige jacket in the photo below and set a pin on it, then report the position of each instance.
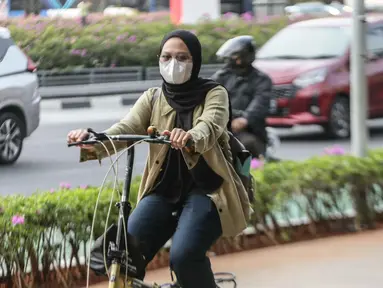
(211, 142)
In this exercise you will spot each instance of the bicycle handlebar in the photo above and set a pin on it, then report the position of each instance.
(152, 137)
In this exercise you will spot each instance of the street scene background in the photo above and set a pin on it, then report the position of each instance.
(91, 60)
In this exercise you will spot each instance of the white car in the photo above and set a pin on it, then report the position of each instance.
(19, 98)
(315, 9)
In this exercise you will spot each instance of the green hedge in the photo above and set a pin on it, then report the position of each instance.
(52, 227)
(321, 188)
(122, 41)
(47, 228)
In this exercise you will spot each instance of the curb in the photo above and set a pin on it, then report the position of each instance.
(75, 103)
(115, 101)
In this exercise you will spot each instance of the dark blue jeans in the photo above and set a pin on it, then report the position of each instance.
(194, 229)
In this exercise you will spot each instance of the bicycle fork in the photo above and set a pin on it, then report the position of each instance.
(115, 281)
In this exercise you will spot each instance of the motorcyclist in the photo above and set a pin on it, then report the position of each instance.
(249, 91)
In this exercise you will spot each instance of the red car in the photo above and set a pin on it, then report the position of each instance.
(309, 63)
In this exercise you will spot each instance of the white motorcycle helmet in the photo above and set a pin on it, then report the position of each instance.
(242, 47)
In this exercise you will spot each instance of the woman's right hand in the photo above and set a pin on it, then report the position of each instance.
(79, 135)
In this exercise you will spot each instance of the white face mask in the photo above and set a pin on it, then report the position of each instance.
(175, 72)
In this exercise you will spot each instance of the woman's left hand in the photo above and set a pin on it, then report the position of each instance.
(179, 138)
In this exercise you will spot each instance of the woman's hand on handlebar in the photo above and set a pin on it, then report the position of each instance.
(79, 135)
(178, 137)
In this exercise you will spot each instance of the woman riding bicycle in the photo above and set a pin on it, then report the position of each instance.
(191, 197)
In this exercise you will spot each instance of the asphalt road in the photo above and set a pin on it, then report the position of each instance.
(46, 161)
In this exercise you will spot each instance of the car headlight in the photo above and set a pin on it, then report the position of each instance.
(310, 78)
(333, 11)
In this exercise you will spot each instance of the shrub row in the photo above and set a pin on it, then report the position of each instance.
(42, 231)
(123, 41)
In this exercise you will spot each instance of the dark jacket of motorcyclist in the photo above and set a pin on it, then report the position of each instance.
(249, 89)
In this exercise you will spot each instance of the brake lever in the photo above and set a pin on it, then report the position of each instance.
(98, 136)
(92, 138)
(84, 142)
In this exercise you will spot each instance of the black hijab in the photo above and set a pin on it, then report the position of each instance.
(183, 98)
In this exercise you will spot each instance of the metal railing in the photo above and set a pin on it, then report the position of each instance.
(97, 89)
(264, 8)
(90, 76)
(95, 82)
(109, 75)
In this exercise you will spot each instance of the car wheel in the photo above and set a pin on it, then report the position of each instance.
(11, 138)
(339, 119)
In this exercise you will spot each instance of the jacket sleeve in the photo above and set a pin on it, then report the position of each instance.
(135, 122)
(260, 105)
(213, 121)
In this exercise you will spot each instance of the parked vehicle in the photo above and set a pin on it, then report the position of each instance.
(19, 98)
(309, 63)
(313, 9)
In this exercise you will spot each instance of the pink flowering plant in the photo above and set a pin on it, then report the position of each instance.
(335, 150)
(55, 223)
(125, 41)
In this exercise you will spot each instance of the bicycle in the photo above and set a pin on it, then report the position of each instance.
(117, 251)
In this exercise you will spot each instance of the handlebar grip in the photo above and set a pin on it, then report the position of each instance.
(189, 147)
(189, 143)
(73, 144)
(84, 142)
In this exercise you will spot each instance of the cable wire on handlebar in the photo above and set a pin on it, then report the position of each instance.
(95, 212)
(115, 170)
(109, 211)
(121, 211)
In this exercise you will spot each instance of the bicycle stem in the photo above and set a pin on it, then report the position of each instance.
(124, 205)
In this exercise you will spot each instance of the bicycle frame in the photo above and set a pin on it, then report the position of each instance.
(118, 255)
(124, 212)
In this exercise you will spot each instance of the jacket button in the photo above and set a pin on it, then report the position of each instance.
(190, 164)
(157, 162)
(220, 210)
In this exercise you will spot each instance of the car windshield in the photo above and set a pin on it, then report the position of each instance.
(306, 43)
(311, 7)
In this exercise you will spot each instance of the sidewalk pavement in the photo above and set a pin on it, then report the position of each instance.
(351, 261)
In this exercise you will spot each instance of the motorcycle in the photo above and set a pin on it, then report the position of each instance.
(273, 140)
